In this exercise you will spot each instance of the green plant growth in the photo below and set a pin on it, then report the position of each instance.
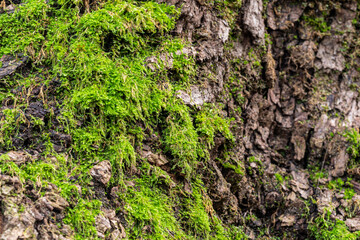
(353, 137)
(54, 170)
(151, 214)
(209, 122)
(280, 178)
(317, 173)
(254, 60)
(82, 218)
(259, 165)
(100, 57)
(318, 23)
(12, 118)
(200, 220)
(228, 9)
(237, 168)
(323, 228)
(339, 184)
(229, 161)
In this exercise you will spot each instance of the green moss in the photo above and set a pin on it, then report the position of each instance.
(325, 229)
(279, 178)
(12, 118)
(238, 169)
(109, 98)
(196, 216)
(82, 218)
(318, 23)
(254, 60)
(209, 122)
(180, 138)
(228, 9)
(200, 219)
(188, 142)
(339, 184)
(150, 213)
(317, 173)
(349, 193)
(353, 137)
(334, 184)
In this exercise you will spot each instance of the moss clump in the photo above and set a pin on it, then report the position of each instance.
(180, 139)
(325, 229)
(11, 120)
(82, 218)
(340, 185)
(318, 23)
(150, 213)
(200, 219)
(353, 137)
(109, 96)
(210, 122)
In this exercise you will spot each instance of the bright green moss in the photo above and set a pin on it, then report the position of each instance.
(353, 137)
(82, 218)
(318, 23)
(197, 215)
(325, 229)
(339, 184)
(279, 178)
(180, 138)
(209, 122)
(9, 125)
(150, 214)
(107, 91)
(237, 169)
(200, 218)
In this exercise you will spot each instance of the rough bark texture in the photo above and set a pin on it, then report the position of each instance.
(296, 68)
(305, 92)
